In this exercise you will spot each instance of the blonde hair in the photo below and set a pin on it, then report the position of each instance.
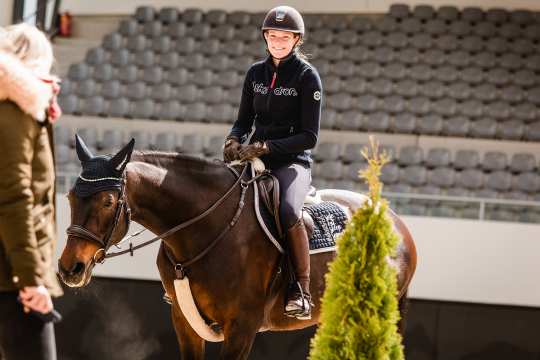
(30, 45)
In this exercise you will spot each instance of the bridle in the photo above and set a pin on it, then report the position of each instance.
(101, 254)
(105, 242)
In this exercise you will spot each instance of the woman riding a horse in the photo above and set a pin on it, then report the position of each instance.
(282, 98)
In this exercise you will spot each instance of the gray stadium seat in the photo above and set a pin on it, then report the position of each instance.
(152, 29)
(528, 182)
(120, 57)
(203, 77)
(399, 11)
(394, 71)
(447, 43)
(161, 92)
(350, 172)
(484, 60)
(177, 30)
(127, 74)
(423, 12)
(223, 32)
(162, 45)
(403, 123)
(330, 170)
(459, 90)
(178, 77)
(347, 38)
(78, 71)
(169, 60)
(381, 87)
(214, 94)
(186, 45)
(195, 112)
(103, 72)
(112, 41)
(135, 91)
(459, 58)
(472, 109)
(340, 101)
(419, 105)
(112, 139)
(499, 181)
(349, 120)
(396, 40)
(522, 46)
(145, 14)
(86, 88)
(378, 122)
(510, 130)
(168, 15)
(525, 111)
(472, 14)
(410, 26)
(390, 174)
(522, 162)
(434, 57)
(456, 126)
(448, 13)
(485, 92)
(354, 85)
(216, 17)
(143, 109)
(533, 131)
(165, 141)
(144, 58)
(94, 106)
(89, 135)
(136, 43)
(367, 103)
(420, 72)
(192, 144)
(62, 154)
(407, 88)
(327, 151)
(192, 16)
(533, 95)
(443, 177)
(460, 28)
(496, 15)
(352, 153)
(95, 56)
(188, 93)
(438, 157)
(498, 110)
(199, 31)
(472, 75)
(213, 148)
(170, 110)
(384, 24)
(436, 27)
(430, 124)
(494, 161)
(343, 68)
(142, 139)
(393, 104)
(532, 32)
(471, 179)
(483, 128)
(498, 76)
(410, 155)
(239, 18)
(512, 94)
(447, 74)
(466, 159)
(371, 39)
(128, 27)
(118, 107)
(220, 113)
(444, 107)
(485, 29)
(360, 23)
(111, 89)
(414, 175)
(509, 31)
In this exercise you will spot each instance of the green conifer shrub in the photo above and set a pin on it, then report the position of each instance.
(359, 311)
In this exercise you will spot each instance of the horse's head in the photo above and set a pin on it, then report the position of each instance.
(99, 213)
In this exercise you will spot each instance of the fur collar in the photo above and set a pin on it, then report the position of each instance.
(19, 84)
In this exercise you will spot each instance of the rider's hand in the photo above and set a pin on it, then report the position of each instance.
(36, 298)
(230, 149)
(253, 150)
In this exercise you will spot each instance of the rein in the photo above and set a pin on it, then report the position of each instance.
(82, 232)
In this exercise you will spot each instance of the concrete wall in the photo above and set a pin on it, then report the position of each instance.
(6, 12)
(83, 7)
(459, 260)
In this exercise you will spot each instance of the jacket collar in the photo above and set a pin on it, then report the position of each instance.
(284, 63)
(19, 84)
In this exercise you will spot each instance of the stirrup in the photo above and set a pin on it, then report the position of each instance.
(303, 312)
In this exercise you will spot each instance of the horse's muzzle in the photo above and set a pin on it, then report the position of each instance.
(75, 276)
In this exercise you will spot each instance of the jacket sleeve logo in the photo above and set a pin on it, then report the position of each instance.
(317, 95)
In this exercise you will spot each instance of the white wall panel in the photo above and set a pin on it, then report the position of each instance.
(6, 12)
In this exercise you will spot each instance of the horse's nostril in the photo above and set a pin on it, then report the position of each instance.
(77, 269)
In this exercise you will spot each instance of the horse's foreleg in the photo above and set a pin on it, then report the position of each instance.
(191, 345)
(239, 337)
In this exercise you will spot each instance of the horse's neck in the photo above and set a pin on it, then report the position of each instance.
(162, 196)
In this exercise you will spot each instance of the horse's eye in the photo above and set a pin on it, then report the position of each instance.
(108, 202)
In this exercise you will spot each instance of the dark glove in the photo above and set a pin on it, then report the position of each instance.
(253, 150)
(230, 149)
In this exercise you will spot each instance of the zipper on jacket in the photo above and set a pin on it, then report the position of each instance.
(272, 84)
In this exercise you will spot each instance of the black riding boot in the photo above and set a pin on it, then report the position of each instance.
(299, 299)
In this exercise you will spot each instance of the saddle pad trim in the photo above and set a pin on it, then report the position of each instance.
(323, 250)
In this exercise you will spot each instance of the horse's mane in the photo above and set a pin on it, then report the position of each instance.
(167, 160)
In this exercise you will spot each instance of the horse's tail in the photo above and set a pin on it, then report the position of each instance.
(403, 306)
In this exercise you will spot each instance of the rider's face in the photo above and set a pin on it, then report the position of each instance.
(280, 43)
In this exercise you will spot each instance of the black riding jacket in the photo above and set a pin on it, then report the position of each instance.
(284, 102)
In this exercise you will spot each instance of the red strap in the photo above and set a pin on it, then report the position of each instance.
(273, 81)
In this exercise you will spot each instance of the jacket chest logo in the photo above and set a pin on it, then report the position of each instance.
(279, 91)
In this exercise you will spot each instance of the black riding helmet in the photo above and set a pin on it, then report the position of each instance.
(284, 18)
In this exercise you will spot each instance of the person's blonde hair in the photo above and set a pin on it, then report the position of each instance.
(30, 45)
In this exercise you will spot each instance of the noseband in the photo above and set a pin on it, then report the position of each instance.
(105, 242)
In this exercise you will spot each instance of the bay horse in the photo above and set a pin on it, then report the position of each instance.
(237, 284)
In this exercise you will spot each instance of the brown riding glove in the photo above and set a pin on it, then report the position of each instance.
(231, 149)
(253, 150)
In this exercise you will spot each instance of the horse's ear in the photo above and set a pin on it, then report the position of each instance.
(120, 160)
(83, 153)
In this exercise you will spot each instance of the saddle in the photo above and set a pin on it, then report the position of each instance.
(323, 220)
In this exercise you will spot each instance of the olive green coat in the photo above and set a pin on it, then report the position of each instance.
(27, 220)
